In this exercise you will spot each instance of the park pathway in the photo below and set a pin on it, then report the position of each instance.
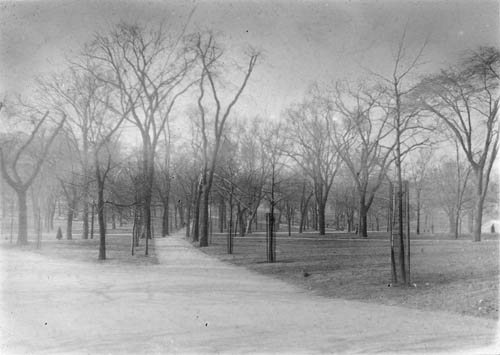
(191, 303)
(242, 311)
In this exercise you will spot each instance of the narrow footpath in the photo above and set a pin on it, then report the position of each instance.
(191, 303)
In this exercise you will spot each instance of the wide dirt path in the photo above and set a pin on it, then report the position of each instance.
(192, 303)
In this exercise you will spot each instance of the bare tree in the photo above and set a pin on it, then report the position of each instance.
(149, 71)
(465, 98)
(311, 146)
(210, 56)
(406, 119)
(79, 95)
(273, 144)
(418, 173)
(450, 179)
(18, 176)
(363, 138)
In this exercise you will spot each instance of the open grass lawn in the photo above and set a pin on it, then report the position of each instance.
(454, 276)
(87, 250)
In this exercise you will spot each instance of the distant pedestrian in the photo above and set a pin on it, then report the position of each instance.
(492, 228)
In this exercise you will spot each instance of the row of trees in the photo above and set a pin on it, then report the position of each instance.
(340, 144)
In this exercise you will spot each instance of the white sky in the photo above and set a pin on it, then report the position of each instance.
(302, 41)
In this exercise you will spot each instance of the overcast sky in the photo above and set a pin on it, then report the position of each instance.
(302, 41)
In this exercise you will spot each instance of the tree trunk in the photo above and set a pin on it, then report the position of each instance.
(49, 216)
(92, 215)
(204, 215)
(85, 218)
(418, 211)
(289, 223)
(230, 234)
(22, 234)
(241, 221)
(176, 218)
(451, 224)
(164, 224)
(457, 223)
(196, 221)
(321, 217)
(147, 221)
(69, 222)
(86, 184)
(363, 212)
(101, 220)
(478, 208)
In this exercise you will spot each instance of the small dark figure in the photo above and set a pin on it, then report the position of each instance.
(306, 274)
(492, 228)
(59, 234)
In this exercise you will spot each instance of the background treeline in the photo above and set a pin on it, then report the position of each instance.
(142, 128)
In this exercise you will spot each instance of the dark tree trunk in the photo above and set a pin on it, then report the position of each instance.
(204, 217)
(452, 224)
(363, 212)
(165, 221)
(92, 215)
(321, 217)
(22, 237)
(69, 223)
(85, 218)
(134, 233)
(196, 221)
(478, 208)
(418, 211)
(230, 234)
(176, 217)
(147, 222)
(241, 221)
(86, 184)
(101, 220)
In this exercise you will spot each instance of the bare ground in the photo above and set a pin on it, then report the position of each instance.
(446, 275)
(189, 302)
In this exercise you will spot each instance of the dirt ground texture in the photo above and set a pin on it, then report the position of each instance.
(182, 301)
(446, 275)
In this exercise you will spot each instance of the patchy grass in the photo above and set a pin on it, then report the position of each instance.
(87, 250)
(455, 276)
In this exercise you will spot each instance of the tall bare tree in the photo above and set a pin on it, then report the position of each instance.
(22, 164)
(210, 56)
(78, 95)
(450, 179)
(363, 138)
(406, 118)
(465, 99)
(311, 146)
(149, 69)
